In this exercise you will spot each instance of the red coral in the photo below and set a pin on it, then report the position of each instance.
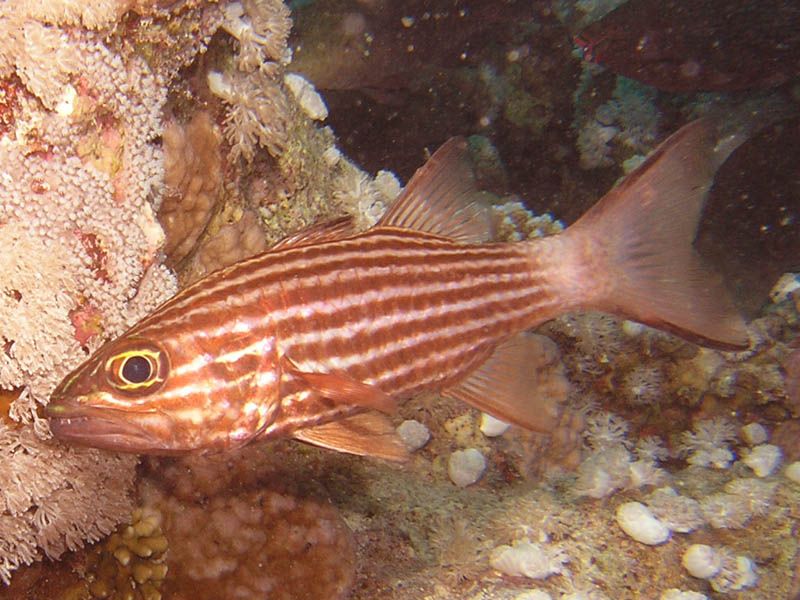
(8, 104)
(94, 248)
(88, 323)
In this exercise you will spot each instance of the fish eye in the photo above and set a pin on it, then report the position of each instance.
(136, 369)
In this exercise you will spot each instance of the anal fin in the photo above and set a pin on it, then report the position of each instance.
(522, 382)
(366, 434)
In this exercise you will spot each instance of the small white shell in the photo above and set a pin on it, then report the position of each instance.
(675, 594)
(754, 434)
(793, 471)
(638, 522)
(533, 595)
(763, 459)
(465, 467)
(527, 559)
(702, 561)
(414, 434)
(492, 427)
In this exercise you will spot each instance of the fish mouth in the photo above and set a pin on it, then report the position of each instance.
(104, 428)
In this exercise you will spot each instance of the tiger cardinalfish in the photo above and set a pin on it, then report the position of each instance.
(323, 334)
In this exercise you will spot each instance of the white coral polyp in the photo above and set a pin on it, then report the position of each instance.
(307, 97)
(707, 444)
(737, 573)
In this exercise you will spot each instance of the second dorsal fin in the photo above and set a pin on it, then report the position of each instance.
(442, 199)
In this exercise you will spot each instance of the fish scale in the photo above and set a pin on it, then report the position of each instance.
(378, 354)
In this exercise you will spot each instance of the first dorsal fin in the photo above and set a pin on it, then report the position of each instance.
(318, 233)
(442, 199)
(523, 383)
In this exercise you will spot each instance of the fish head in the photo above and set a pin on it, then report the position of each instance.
(138, 394)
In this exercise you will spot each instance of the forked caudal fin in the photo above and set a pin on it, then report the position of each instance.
(631, 254)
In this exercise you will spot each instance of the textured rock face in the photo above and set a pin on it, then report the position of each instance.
(258, 545)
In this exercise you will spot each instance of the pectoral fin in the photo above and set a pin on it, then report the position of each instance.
(522, 382)
(367, 434)
(343, 389)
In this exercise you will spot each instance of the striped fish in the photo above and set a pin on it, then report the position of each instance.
(320, 337)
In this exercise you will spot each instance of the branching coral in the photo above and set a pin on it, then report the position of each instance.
(55, 499)
(258, 107)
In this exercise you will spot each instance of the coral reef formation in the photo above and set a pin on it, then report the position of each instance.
(193, 183)
(131, 563)
(256, 545)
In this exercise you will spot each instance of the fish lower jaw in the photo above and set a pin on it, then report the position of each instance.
(98, 429)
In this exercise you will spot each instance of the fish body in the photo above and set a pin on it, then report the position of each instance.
(320, 336)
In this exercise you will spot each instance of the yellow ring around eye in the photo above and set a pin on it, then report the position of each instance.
(115, 364)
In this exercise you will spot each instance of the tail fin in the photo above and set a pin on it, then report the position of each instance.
(634, 247)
